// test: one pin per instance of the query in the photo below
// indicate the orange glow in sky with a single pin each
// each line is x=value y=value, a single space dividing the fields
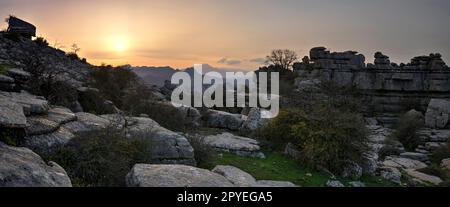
x=180 y=33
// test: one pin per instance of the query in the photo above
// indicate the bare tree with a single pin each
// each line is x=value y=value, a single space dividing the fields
x=75 y=48
x=283 y=58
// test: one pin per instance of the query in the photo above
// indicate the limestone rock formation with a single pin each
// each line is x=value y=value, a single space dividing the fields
x=445 y=164
x=225 y=120
x=11 y=115
x=20 y=167
x=174 y=176
x=438 y=113
x=235 y=175
x=228 y=142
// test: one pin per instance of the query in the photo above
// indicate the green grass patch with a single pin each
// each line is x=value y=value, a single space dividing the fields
x=277 y=166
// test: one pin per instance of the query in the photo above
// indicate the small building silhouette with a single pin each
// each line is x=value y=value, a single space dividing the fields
x=18 y=26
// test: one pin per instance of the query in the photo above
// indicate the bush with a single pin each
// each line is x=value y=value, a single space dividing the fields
x=166 y=115
x=204 y=154
x=102 y=158
x=326 y=137
x=41 y=41
x=406 y=130
x=441 y=153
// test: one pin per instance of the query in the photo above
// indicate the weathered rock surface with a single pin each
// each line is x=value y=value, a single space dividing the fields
x=424 y=177
x=20 y=167
x=169 y=147
x=334 y=184
x=437 y=115
x=31 y=104
x=254 y=120
x=225 y=120
x=47 y=143
x=392 y=174
x=174 y=176
x=357 y=184
x=415 y=156
x=11 y=115
x=86 y=122
x=228 y=142
x=445 y=164
x=235 y=176
x=273 y=183
x=403 y=163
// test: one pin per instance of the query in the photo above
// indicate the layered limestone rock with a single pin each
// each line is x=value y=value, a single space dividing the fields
x=227 y=142
x=225 y=120
x=174 y=176
x=20 y=167
x=142 y=175
x=389 y=87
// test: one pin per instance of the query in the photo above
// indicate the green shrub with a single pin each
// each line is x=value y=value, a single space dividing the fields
x=166 y=115
x=41 y=41
x=406 y=131
x=203 y=153
x=102 y=158
x=441 y=153
x=326 y=137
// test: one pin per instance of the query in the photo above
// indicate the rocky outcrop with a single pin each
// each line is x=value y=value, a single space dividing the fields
x=438 y=113
x=224 y=120
x=334 y=184
x=11 y=115
x=227 y=142
x=20 y=167
x=254 y=120
x=174 y=176
x=388 y=87
x=445 y=164
x=31 y=104
x=186 y=176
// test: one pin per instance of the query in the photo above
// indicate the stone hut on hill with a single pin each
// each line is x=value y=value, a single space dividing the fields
x=18 y=26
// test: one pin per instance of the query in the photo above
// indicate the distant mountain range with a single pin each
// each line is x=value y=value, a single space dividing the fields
x=155 y=76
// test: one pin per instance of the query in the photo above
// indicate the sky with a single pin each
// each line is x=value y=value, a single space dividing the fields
x=235 y=33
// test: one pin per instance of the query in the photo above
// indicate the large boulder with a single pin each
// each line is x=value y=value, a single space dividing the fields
x=20 y=167
x=437 y=114
x=254 y=120
x=235 y=176
x=46 y=143
x=224 y=120
x=227 y=142
x=169 y=147
x=87 y=122
x=142 y=175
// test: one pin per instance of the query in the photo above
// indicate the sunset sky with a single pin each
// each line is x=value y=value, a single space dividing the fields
x=235 y=33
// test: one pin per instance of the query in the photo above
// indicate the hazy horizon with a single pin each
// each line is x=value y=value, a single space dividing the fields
x=236 y=34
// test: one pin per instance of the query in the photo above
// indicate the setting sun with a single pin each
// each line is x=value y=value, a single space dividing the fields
x=119 y=44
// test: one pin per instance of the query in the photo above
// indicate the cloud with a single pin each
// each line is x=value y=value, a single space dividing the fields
x=227 y=61
x=258 y=60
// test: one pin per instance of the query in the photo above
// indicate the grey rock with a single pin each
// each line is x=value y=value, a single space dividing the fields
x=47 y=143
x=228 y=142
x=334 y=184
x=445 y=164
x=19 y=74
x=437 y=115
x=390 y=173
x=20 y=167
x=142 y=175
x=6 y=79
x=272 y=183
x=415 y=156
x=235 y=176
x=424 y=177
x=31 y=104
x=38 y=125
x=352 y=170
x=225 y=120
x=403 y=163
x=61 y=115
x=254 y=120
x=169 y=147
x=87 y=122
x=357 y=184
x=11 y=115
